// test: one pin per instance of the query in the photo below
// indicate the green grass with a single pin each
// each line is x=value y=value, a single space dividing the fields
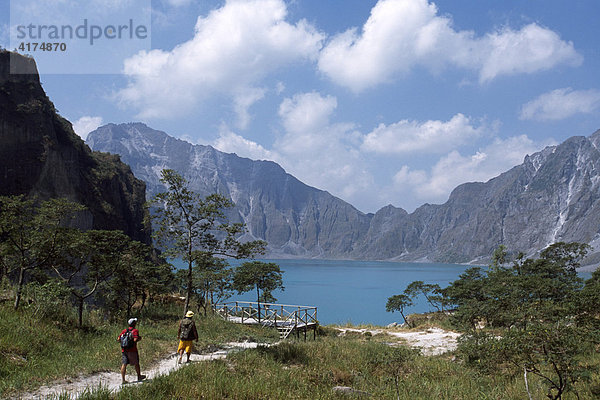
x=34 y=352
x=309 y=370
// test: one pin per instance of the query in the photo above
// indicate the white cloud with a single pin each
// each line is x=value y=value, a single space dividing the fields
x=84 y=125
x=320 y=153
x=243 y=100
x=230 y=142
x=328 y=158
x=560 y=104
x=528 y=50
x=306 y=112
x=279 y=87
x=424 y=137
x=402 y=34
x=454 y=169
x=331 y=156
x=406 y=176
x=233 y=49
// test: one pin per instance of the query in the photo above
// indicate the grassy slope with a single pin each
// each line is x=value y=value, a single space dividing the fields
x=309 y=370
x=35 y=353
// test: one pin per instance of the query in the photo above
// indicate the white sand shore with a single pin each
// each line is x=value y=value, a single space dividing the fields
x=432 y=341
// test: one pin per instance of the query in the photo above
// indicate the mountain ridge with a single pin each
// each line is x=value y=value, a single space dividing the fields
x=294 y=218
x=553 y=195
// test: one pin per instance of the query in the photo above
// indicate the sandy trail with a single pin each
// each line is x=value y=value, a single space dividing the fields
x=112 y=380
x=432 y=341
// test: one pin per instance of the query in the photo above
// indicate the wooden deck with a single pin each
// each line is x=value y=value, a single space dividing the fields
x=286 y=318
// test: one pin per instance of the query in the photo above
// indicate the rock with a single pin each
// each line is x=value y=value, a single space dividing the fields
x=350 y=391
x=554 y=195
x=295 y=219
x=41 y=156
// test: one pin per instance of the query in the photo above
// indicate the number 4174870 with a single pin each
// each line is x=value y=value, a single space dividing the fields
x=44 y=46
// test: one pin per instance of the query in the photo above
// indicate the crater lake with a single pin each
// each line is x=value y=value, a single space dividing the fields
x=351 y=291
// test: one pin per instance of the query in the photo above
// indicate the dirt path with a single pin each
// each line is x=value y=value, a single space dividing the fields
x=432 y=341
x=112 y=380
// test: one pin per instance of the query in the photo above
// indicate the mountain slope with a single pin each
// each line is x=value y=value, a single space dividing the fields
x=295 y=219
x=41 y=156
x=553 y=196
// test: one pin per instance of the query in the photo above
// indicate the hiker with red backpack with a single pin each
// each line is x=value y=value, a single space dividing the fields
x=129 y=353
x=187 y=333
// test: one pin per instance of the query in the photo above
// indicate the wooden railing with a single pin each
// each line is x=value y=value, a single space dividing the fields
x=285 y=316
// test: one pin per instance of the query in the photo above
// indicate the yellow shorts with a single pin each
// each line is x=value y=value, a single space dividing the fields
x=185 y=345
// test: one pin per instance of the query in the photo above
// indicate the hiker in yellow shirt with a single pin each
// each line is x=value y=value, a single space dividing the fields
x=187 y=334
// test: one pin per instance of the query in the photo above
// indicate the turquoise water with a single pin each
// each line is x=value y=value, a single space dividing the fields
x=353 y=291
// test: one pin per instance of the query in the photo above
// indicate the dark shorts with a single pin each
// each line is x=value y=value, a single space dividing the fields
x=130 y=357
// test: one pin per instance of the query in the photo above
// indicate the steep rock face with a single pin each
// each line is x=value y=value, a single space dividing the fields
x=295 y=219
x=553 y=196
x=41 y=156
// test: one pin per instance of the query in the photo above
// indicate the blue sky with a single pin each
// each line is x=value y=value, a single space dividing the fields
x=378 y=102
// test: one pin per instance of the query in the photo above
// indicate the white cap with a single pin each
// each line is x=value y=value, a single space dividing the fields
x=132 y=321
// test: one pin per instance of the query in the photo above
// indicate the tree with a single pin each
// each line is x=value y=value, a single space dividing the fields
x=535 y=309
x=213 y=281
x=192 y=227
x=91 y=260
x=500 y=256
x=137 y=275
x=588 y=302
x=262 y=276
x=550 y=351
x=398 y=303
x=49 y=300
x=468 y=296
x=567 y=255
x=428 y=290
x=33 y=237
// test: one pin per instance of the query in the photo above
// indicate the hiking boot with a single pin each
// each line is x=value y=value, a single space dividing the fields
x=141 y=378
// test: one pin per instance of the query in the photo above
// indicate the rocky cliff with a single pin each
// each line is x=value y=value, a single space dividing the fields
x=41 y=156
x=553 y=196
x=295 y=219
